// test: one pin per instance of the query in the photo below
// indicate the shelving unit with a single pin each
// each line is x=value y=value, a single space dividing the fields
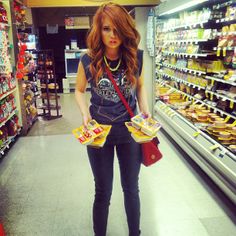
x=189 y=92
x=10 y=111
x=48 y=83
x=25 y=67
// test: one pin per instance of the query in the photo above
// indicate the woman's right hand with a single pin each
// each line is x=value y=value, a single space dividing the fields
x=86 y=119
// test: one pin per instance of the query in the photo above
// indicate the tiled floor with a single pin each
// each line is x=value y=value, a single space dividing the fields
x=46 y=188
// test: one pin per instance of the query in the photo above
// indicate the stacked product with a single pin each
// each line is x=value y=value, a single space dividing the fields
x=93 y=135
x=143 y=128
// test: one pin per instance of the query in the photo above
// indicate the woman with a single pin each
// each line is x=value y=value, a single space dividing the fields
x=113 y=43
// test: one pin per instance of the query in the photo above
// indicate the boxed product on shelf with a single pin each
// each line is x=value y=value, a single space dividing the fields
x=3 y=14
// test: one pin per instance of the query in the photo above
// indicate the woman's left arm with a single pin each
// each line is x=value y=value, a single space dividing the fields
x=142 y=95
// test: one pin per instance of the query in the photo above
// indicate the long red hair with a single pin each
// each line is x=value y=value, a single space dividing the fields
x=125 y=26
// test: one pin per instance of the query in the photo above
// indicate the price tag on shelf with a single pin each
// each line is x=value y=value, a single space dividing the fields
x=222 y=153
x=166 y=109
x=170 y=113
x=224 y=98
x=206 y=93
x=231 y=105
x=196 y=134
x=221 y=113
x=162 y=106
x=215 y=111
x=214 y=147
x=233 y=124
x=211 y=96
x=218 y=52
x=212 y=82
x=224 y=51
x=227 y=118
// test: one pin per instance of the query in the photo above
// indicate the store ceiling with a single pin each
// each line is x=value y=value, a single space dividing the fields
x=87 y=3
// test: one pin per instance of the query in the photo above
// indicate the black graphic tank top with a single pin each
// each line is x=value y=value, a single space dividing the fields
x=106 y=106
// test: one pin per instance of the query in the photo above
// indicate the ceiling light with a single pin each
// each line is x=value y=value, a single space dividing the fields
x=183 y=7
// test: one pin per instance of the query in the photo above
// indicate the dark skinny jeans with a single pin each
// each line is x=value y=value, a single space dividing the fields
x=101 y=161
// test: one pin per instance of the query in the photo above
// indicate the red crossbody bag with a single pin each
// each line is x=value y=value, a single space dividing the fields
x=150 y=151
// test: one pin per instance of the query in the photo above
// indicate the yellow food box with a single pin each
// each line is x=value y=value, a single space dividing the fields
x=100 y=140
x=86 y=135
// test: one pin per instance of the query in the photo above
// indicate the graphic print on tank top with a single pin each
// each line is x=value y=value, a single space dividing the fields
x=106 y=90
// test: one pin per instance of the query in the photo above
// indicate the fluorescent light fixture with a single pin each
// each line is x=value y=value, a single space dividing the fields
x=184 y=6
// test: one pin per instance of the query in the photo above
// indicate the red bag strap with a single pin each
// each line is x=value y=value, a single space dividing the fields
x=119 y=92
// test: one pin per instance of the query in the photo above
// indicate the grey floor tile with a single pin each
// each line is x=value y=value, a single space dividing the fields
x=185 y=227
x=218 y=226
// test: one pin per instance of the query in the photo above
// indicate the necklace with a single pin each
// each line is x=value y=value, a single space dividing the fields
x=112 y=69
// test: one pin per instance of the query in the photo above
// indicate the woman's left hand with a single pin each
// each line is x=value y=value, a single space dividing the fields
x=146 y=113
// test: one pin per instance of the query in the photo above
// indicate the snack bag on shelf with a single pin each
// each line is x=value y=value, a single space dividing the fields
x=147 y=125
x=100 y=140
x=87 y=135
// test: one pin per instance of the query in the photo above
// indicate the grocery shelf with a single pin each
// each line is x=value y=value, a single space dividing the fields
x=196 y=55
x=7 y=93
x=226 y=33
x=191 y=25
x=6 y=144
x=224 y=48
x=217 y=161
x=8 y=118
x=185 y=69
x=221 y=80
x=224 y=98
x=183 y=81
x=225 y=20
x=215 y=109
x=196 y=41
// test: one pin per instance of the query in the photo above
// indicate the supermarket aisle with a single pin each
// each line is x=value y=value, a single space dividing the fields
x=46 y=188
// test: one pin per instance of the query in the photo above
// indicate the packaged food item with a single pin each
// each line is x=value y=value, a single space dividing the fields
x=147 y=125
x=86 y=135
x=140 y=137
x=137 y=134
x=100 y=140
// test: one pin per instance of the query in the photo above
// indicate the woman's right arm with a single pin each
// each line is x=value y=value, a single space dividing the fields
x=80 y=89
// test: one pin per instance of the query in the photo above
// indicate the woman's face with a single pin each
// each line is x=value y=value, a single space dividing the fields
x=110 y=37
